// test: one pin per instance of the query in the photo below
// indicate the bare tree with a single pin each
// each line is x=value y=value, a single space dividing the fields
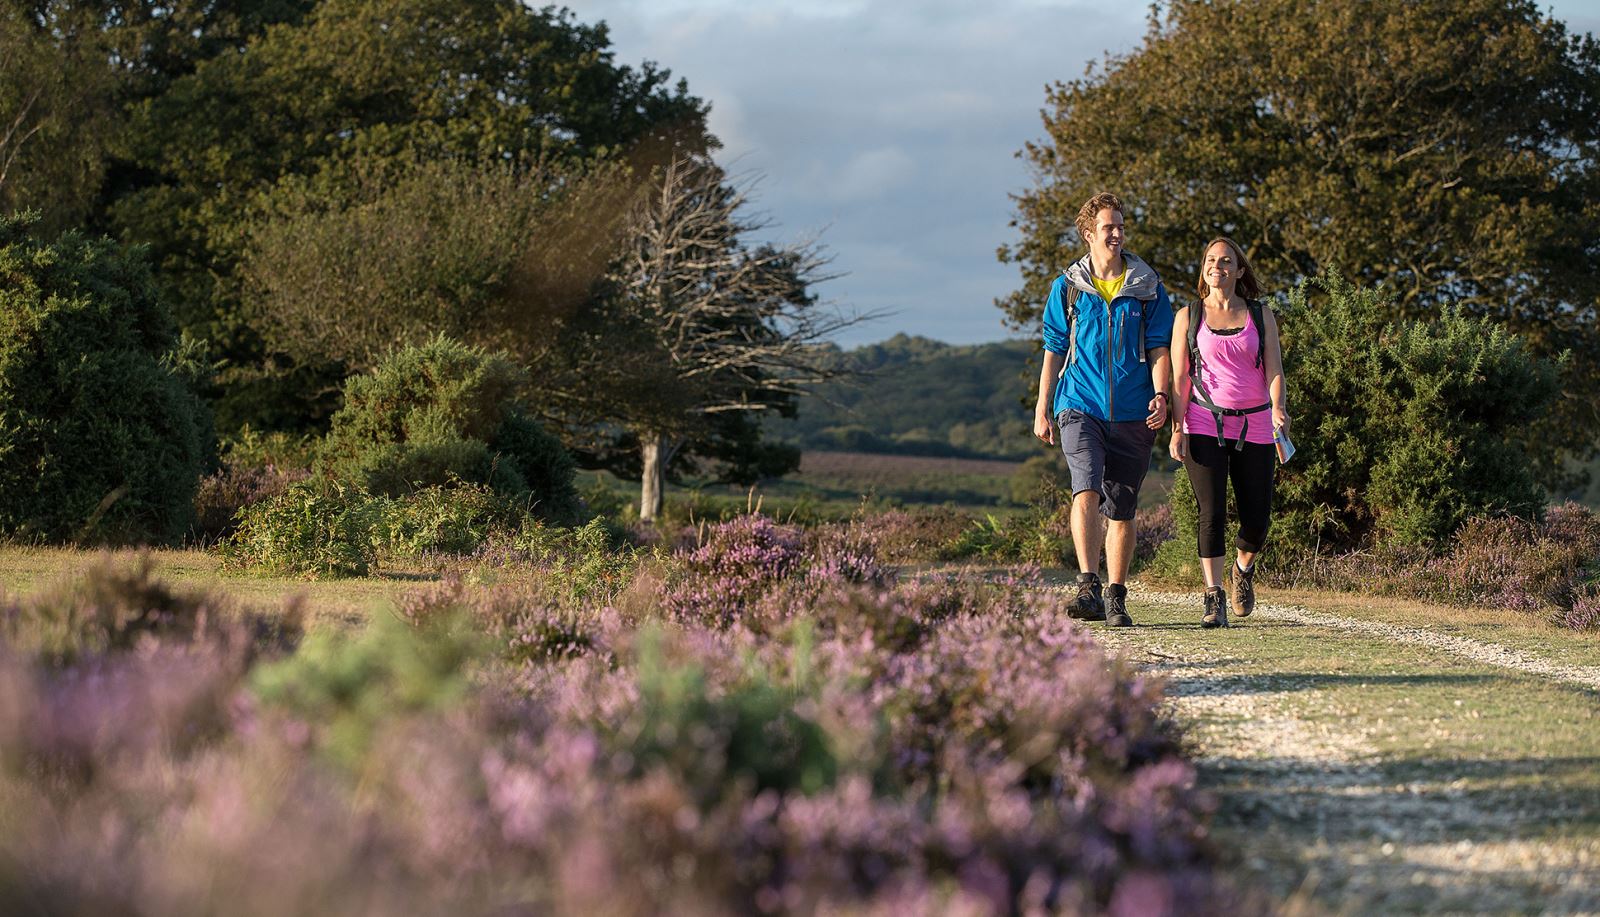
x=718 y=326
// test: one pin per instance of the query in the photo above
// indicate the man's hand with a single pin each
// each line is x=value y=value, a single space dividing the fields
x=1158 y=412
x=1043 y=428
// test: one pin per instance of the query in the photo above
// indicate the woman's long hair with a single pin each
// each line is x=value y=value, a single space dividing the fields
x=1248 y=286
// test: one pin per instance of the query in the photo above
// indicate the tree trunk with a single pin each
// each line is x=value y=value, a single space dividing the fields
x=653 y=447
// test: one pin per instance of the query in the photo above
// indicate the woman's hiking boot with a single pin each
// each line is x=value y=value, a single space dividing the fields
x=1088 y=606
x=1216 y=608
x=1117 y=606
x=1244 y=590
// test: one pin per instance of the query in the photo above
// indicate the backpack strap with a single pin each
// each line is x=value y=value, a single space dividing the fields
x=1197 y=387
x=1255 y=307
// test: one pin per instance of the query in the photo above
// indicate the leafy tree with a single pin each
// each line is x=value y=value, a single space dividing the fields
x=221 y=114
x=380 y=253
x=57 y=117
x=101 y=439
x=442 y=413
x=463 y=77
x=717 y=332
x=1445 y=148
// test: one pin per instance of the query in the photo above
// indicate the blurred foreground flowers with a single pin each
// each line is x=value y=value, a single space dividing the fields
x=767 y=722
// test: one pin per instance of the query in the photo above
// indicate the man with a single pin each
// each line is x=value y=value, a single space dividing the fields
x=1107 y=339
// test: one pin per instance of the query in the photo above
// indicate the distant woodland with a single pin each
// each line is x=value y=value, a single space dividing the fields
x=916 y=396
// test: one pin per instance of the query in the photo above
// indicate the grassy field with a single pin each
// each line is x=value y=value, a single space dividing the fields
x=835 y=484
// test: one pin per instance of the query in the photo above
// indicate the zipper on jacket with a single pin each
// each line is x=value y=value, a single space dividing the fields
x=1111 y=370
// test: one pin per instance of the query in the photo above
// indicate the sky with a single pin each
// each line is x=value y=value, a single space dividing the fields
x=889 y=128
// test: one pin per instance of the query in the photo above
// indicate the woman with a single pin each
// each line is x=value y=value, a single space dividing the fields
x=1228 y=378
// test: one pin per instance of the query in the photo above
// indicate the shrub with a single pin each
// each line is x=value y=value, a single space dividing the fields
x=983 y=753
x=224 y=493
x=445 y=412
x=101 y=439
x=445 y=519
x=737 y=563
x=1547 y=568
x=314 y=528
x=1405 y=430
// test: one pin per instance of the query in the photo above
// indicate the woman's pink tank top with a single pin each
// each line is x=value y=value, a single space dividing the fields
x=1232 y=379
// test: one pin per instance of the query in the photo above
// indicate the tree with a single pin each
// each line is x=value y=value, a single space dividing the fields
x=1444 y=148
x=393 y=252
x=719 y=331
x=101 y=440
x=215 y=109
x=57 y=119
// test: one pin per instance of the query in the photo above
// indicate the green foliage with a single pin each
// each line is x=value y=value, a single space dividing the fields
x=753 y=731
x=920 y=397
x=56 y=101
x=1039 y=477
x=454 y=518
x=100 y=439
x=582 y=563
x=1178 y=558
x=315 y=528
x=283 y=451
x=407 y=249
x=445 y=412
x=348 y=687
x=221 y=145
x=1404 y=429
x=1426 y=145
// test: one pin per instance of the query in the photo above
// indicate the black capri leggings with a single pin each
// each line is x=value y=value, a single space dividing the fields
x=1252 y=469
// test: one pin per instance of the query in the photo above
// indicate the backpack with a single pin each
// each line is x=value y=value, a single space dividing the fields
x=1197 y=390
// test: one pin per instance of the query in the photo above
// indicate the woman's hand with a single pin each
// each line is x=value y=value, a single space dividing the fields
x=1280 y=420
x=1179 y=447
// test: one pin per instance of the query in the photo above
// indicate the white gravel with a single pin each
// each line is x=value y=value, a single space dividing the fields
x=1587 y=676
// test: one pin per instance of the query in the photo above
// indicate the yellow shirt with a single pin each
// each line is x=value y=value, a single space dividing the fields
x=1109 y=288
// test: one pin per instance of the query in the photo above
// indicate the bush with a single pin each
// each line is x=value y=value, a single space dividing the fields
x=101 y=439
x=916 y=748
x=1405 y=430
x=441 y=413
x=314 y=528
x=1549 y=569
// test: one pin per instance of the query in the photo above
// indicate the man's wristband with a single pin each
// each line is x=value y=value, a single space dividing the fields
x=1165 y=397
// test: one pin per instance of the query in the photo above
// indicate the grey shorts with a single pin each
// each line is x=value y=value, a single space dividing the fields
x=1110 y=458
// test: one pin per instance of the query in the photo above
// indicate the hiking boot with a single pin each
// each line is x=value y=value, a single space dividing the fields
x=1216 y=608
x=1088 y=606
x=1244 y=590
x=1117 y=606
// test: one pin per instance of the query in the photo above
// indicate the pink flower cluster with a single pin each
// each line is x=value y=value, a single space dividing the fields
x=837 y=742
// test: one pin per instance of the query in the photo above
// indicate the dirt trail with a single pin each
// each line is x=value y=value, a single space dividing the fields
x=1372 y=768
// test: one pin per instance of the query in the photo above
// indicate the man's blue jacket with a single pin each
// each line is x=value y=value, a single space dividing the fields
x=1106 y=375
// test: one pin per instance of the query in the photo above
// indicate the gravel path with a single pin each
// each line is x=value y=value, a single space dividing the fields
x=1318 y=814
x=1585 y=676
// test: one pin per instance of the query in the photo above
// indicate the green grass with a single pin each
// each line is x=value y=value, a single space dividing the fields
x=328 y=602
x=1374 y=776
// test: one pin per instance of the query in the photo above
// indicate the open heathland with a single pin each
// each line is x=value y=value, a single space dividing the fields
x=1350 y=755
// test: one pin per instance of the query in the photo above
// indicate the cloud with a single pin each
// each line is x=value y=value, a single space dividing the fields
x=891 y=123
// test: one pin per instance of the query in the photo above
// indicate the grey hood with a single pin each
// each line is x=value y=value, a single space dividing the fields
x=1141 y=283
